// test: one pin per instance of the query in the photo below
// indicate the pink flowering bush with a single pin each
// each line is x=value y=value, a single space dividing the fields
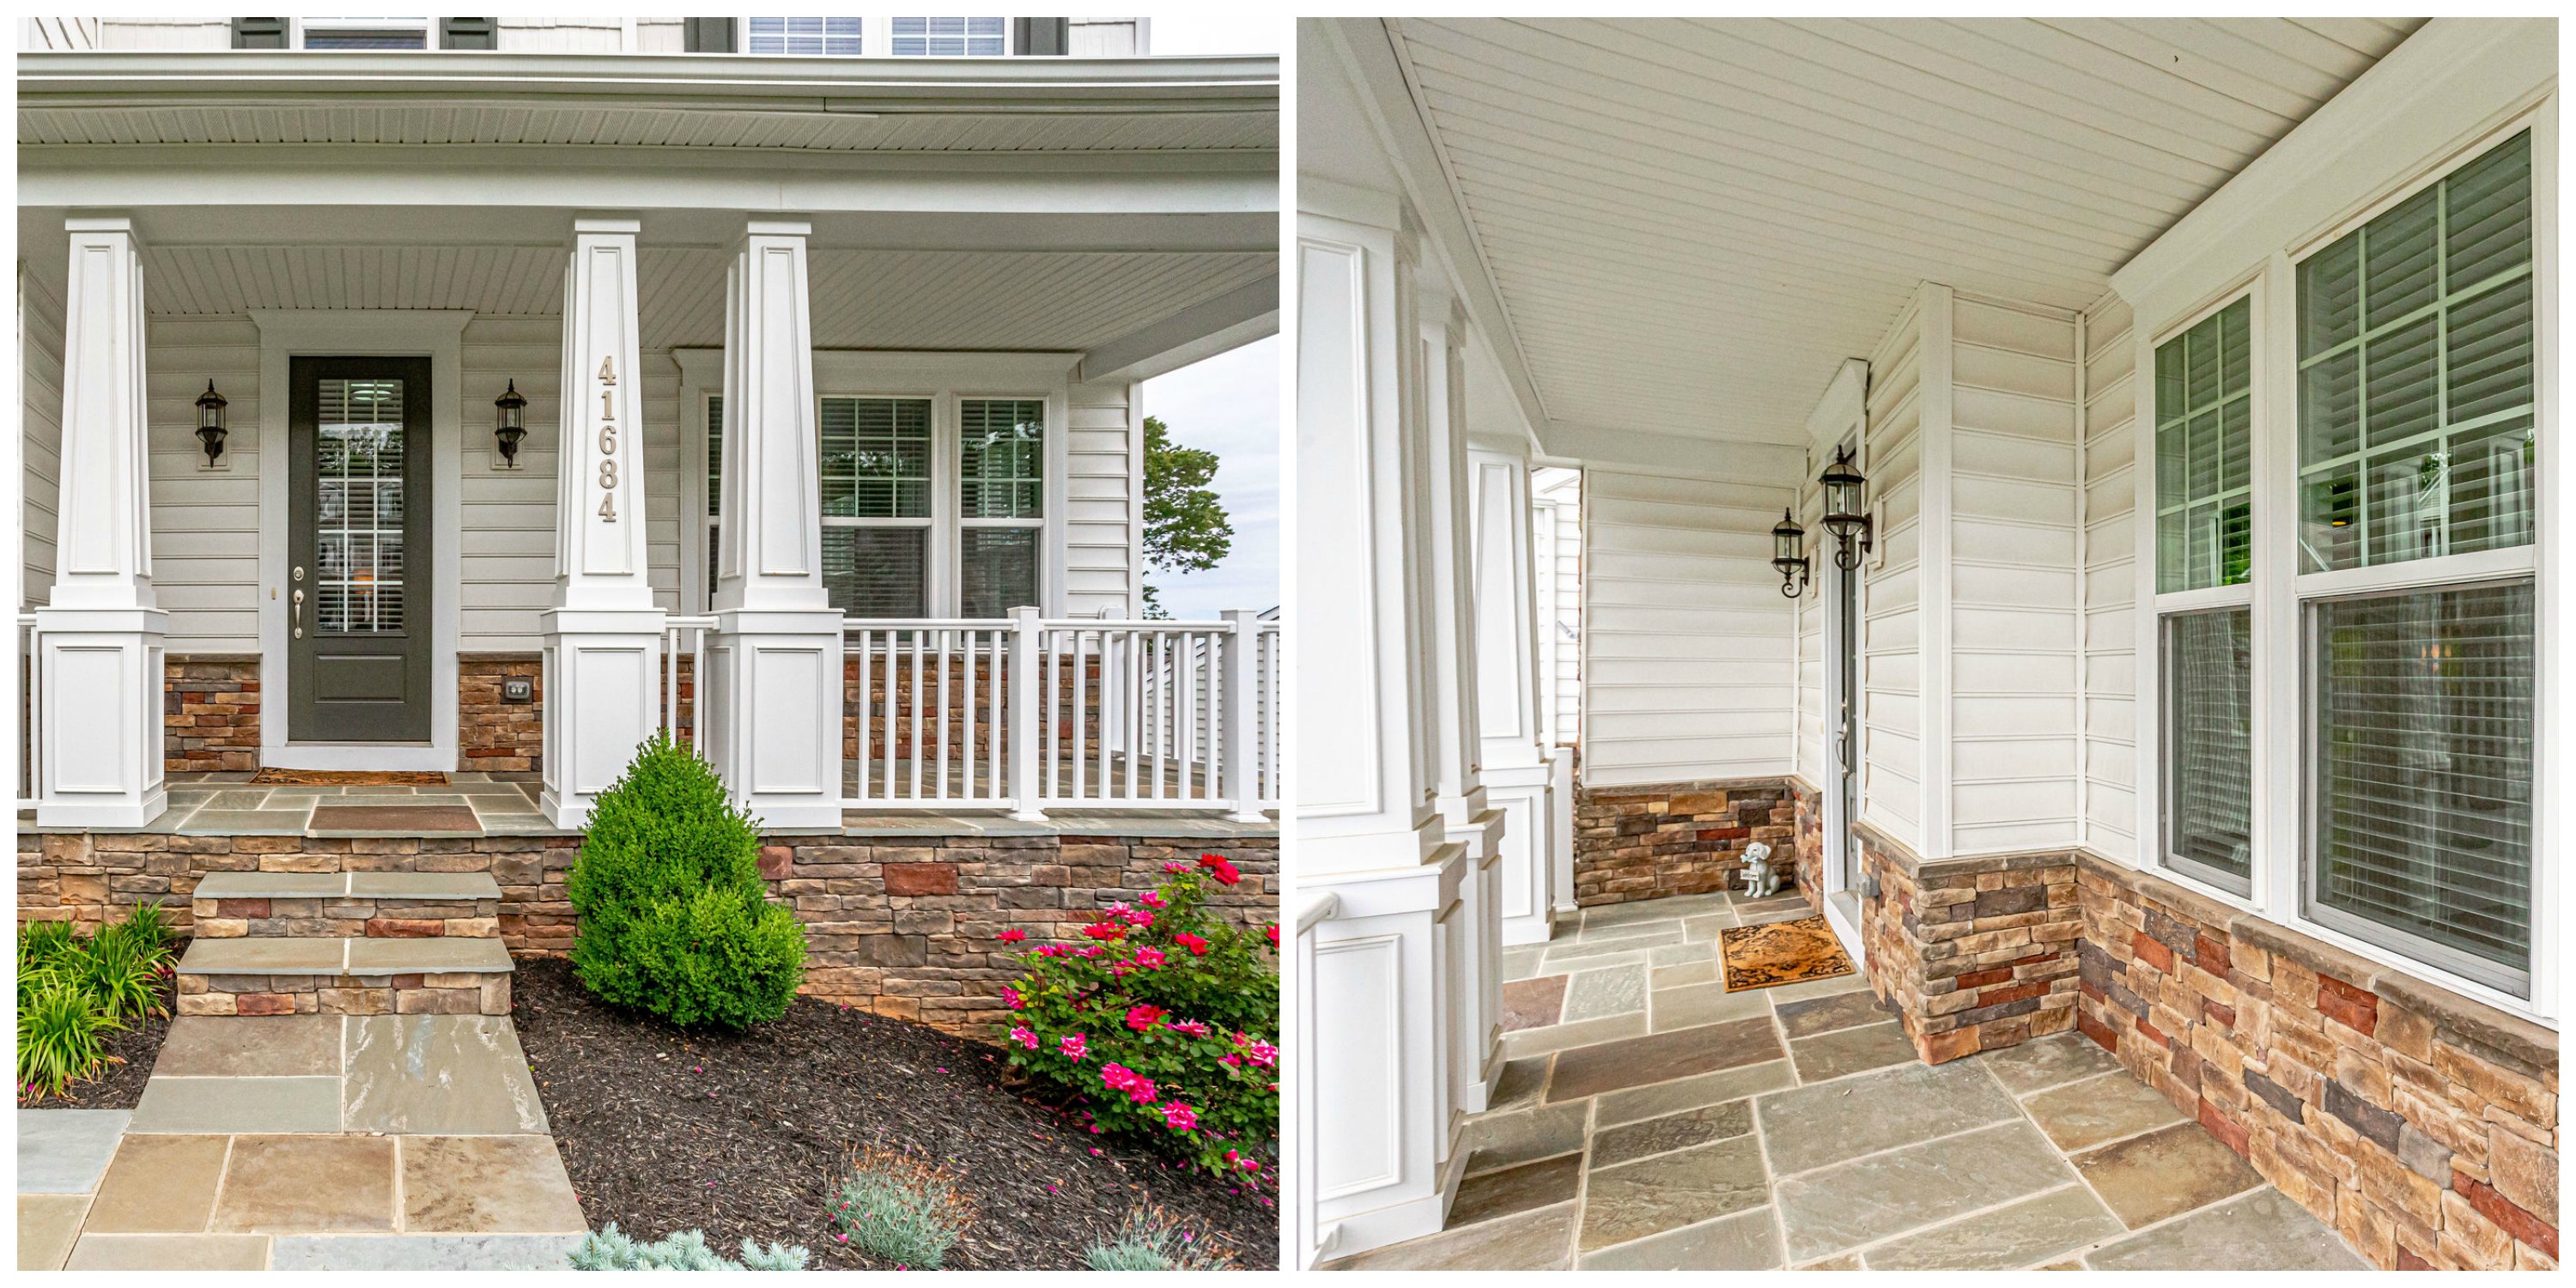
x=1163 y=1018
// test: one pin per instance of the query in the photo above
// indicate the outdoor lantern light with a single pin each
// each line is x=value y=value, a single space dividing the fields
x=1844 y=516
x=1786 y=541
x=210 y=423
x=513 y=424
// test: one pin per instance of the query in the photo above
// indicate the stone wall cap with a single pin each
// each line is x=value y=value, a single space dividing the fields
x=1768 y=782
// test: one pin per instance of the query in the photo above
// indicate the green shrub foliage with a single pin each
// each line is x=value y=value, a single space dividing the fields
x=673 y=917
x=1165 y=1019
x=606 y=1249
x=62 y=1035
x=903 y=1209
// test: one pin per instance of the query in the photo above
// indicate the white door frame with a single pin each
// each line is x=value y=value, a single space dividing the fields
x=437 y=334
x=1837 y=825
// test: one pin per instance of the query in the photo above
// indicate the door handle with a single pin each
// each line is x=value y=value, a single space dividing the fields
x=298 y=599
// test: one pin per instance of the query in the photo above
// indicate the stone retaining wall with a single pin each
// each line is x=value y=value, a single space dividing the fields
x=1633 y=843
x=346 y=917
x=464 y=993
x=900 y=927
x=2420 y=1124
x=1977 y=954
x=209 y=712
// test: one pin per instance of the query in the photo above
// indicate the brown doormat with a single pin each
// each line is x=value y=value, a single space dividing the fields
x=346 y=778
x=1780 y=952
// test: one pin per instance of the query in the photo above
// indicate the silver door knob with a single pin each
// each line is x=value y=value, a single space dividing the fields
x=298 y=599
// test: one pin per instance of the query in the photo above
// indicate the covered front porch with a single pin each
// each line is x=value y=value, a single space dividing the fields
x=1969 y=435
x=824 y=460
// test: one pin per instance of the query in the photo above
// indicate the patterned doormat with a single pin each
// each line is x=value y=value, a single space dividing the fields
x=1780 y=952
x=346 y=778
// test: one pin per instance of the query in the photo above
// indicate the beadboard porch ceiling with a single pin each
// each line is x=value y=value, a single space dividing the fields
x=968 y=289
x=1690 y=224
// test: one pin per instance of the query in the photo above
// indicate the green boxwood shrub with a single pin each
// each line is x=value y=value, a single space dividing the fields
x=672 y=915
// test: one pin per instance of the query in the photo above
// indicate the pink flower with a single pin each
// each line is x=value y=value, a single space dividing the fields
x=1141 y=1091
x=1153 y=899
x=1118 y=1076
x=1195 y=1028
x=1149 y=958
x=1071 y=1046
x=1224 y=871
x=1235 y=1061
x=1263 y=1054
x=1198 y=947
x=1021 y=1035
x=1176 y=867
x=1144 y=1018
x=1013 y=935
x=1180 y=1117
x=1011 y=997
x=1105 y=930
x=1274 y=936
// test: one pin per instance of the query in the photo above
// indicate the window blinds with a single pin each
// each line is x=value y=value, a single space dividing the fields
x=2209 y=723
x=2423 y=744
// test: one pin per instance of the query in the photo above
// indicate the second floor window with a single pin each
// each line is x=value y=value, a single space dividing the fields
x=879 y=36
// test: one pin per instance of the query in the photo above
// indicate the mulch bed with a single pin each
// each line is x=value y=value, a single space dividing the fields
x=744 y=1135
x=120 y=1085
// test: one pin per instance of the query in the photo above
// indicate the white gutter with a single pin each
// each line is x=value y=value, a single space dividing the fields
x=253 y=78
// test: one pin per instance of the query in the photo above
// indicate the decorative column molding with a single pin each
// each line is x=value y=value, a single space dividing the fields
x=1452 y=671
x=773 y=683
x=1509 y=695
x=99 y=641
x=603 y=637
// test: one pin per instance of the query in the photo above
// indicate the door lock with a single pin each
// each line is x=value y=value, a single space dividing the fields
x=298 y=600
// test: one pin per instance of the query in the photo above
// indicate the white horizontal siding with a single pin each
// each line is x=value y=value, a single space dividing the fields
x=569 y=35
x=43 y=467
x=1814 y=699
x=1561 y=562
x=2110 y=582
x=1891 y=625
x=165 y=33
x=1104 y=37
x=205 y=523
x=1689 y=667
x=1103 y=513
x=2015 y=754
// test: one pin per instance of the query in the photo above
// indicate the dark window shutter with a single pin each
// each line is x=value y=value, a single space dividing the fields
x=468 y=33
x=1040 y=35
x=707 y=35
x=259 y=33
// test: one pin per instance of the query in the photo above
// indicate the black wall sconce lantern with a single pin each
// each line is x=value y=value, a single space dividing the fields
x=511 y=424
x=1787 y=542
x=210 y=423
x=1845 y=516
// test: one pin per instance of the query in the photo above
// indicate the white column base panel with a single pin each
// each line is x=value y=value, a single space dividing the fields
x=775 y=713
x=603 y=694
x=1381 y=1130
x=99 y=680
x=1475 y=992
x=1560 y=780
x=1529 y=805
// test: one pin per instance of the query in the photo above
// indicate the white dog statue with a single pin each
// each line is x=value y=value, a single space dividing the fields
x=1761 y=880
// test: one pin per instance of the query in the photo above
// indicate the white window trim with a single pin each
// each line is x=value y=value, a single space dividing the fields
x=946 y=379
x=298 y=27
x=2281 y=765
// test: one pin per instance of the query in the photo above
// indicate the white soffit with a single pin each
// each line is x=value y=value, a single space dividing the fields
x=1692 y=223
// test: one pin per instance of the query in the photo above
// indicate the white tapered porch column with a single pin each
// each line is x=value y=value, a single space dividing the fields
x=1508 y=689
x=1472 y=998
x=603 y=637
x=774 y=659
x=100 y=638
x=1370 y=831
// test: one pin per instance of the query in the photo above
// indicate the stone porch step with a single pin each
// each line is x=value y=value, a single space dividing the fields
x=337 y=905
x=345 y=976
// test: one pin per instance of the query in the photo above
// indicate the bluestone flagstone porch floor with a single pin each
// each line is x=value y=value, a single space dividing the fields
x=478 y=803
x=1647 y=1119
x=306 y=1142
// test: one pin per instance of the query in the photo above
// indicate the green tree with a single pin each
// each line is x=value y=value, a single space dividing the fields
x=1186 y=529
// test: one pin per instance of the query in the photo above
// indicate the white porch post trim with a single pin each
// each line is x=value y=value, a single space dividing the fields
x=102 y=635
x=603 y=637
x=1369 y=829
x=774 y=658
x=1510 y=697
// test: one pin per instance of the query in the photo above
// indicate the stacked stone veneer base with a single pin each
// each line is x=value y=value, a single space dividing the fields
x=419 y=993
x=901 y=927
x=1633 y=843
x=210 y=707
x=372 y=905
x=1977 y=953
x=2420 y=1124
x=492 y=734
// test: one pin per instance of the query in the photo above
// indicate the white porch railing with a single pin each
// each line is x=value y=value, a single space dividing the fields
x=1032 y=714
x=1029 y=714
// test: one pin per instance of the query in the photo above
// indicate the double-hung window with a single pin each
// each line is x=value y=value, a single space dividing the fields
x=879 y=35
x=2352 y=582
x=2416 y=457
x=932 y=505
x=2204 y=400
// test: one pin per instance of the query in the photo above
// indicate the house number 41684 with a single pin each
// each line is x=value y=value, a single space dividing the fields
x=608 y=439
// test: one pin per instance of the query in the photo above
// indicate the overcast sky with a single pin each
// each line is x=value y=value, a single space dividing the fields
x=1228 y=405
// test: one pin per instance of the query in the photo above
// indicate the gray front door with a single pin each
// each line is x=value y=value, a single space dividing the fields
x=358 y=536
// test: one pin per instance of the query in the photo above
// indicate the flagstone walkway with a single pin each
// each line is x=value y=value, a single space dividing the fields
x=306 y=1142
x=1648 y=1120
